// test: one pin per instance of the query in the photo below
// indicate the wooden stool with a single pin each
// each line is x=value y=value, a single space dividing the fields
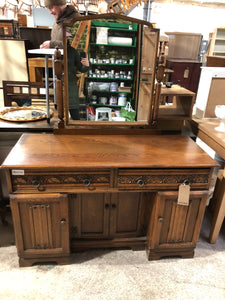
x=103 y=110
x=36 y=65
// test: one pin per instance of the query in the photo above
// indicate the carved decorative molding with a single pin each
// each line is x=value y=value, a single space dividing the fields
x=163 y=179
x=77 y=179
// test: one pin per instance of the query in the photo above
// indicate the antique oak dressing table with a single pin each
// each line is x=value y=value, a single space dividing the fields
x=78 y=192
x=108 y=184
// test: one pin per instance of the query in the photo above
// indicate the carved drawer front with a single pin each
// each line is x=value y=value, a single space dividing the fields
x=60 y=181
x=162 y=178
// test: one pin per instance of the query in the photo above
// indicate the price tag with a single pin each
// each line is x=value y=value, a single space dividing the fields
x=17 y=172
x=186 y=73
x=183 y=194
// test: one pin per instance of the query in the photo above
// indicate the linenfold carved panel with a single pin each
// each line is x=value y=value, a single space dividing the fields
x=41 y=238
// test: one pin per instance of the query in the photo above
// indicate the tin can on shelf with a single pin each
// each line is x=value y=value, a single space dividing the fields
x=113 y=87
x=118 y=113
x=113 y=100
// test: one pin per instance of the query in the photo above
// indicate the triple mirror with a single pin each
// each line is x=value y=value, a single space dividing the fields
x=117 y=89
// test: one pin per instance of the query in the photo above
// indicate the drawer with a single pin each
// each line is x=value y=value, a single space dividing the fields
x=61 y=181
x=162 y=178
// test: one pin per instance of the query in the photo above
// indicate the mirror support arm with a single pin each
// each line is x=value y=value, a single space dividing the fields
x=59 y=93
x=159 y=78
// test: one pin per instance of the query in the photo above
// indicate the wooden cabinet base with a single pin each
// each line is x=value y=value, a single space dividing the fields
x=132 y=243
x=28 y=262
x=155 y=254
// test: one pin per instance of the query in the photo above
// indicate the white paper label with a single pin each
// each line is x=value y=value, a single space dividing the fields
x=186 y=73
x=17 y=172
x=183 y=194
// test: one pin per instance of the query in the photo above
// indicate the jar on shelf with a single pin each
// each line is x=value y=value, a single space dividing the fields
x=122 y=99
x=113 y=87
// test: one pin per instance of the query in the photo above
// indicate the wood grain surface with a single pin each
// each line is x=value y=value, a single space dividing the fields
x=96 y=151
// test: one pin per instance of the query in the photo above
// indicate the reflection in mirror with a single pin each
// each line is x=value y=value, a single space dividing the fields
x=110 y=69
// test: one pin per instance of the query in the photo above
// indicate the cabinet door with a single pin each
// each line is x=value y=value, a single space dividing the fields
x=174 y=229
x=125 y=215
x=107 y=215
x=89 y=215
x=41 y=224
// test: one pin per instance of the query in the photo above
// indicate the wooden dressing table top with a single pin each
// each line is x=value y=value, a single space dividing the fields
x=176 y=90
x=205 y=130
x=61 y=152
x=212 y=134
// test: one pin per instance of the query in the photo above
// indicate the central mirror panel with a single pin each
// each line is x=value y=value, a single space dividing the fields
x=114 y=86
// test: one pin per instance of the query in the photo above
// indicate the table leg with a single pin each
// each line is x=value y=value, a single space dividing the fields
x=47 y=87
x=32 y=74
x=54 y=81
x=219 y=211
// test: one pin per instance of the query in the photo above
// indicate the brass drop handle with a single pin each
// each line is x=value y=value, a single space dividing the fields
x=86 y=182
x=140 y=182
x=36 y=183
x=63 y=222
x=186 y=182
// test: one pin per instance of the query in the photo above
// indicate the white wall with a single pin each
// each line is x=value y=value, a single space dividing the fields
x=184 y=18
x=167 y=17
x=42 y=17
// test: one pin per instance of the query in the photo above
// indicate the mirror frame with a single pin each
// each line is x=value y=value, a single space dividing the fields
x=149 y=123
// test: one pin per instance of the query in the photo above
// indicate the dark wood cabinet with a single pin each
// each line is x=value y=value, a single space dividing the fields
x=174 y=228
x=185 y=73
x=42 y=227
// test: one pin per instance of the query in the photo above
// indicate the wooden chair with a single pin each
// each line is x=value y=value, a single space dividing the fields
x=3 y=6
x=25 y=6
x=13 y=6
x=16 y=91
x=115 y=7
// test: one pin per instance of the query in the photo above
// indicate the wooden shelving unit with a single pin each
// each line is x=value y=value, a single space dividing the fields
x=217 y=46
